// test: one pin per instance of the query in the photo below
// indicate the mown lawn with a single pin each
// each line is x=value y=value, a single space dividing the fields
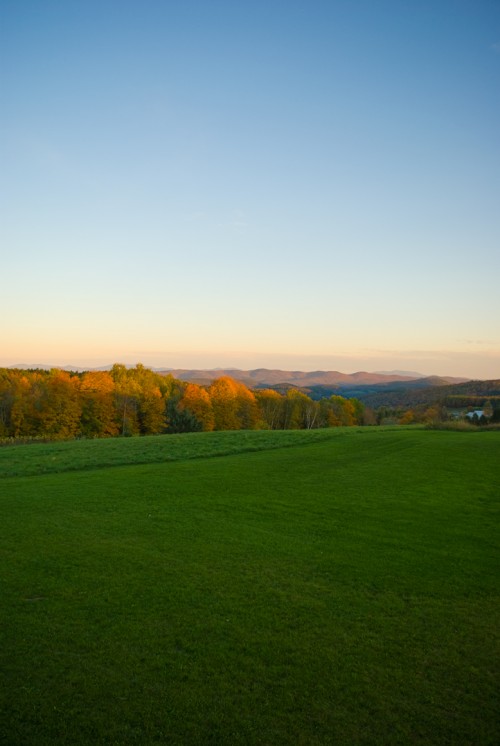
x=50 y=458
x=341 y=591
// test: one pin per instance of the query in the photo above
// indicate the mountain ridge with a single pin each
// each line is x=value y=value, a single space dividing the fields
x=272 y=376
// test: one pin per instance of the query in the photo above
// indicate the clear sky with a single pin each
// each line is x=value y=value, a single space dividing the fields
x=307 y=184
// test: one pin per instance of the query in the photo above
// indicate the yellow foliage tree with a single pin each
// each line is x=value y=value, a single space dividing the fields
x=98 y=404
x=223 y=394
x=55 y=405
x=271 y=405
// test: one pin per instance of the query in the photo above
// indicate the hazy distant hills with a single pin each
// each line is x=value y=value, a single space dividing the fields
x=260 y=377
x=45 y=366
x=302 y=379
x=265 y=376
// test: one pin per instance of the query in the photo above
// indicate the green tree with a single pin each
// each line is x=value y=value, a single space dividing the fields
x=359 y=411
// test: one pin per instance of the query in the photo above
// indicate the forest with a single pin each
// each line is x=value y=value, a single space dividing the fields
x=57 y=404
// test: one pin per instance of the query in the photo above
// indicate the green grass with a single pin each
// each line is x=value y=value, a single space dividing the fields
x=49 y=458
x=341 y=591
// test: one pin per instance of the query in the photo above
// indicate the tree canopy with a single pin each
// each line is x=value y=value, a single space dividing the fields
x=57 y=404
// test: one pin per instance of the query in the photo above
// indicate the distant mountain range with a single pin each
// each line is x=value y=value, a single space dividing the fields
x=260 y=377
x=272 y=377
x=405 y=373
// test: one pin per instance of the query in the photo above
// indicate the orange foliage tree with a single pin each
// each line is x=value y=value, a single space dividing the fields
x=197 y=402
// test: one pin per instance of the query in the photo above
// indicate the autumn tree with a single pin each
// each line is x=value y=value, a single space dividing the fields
x=294 y=402
x=488 y=409
x=55 y=406
x=435 y=413
x=9 y=385
x=369 y=416
x=198 y=404
x=271 y=408
x=310 y=413
x=21 y=420
x=234 y=406
x=223 y=394
x=407 y=418
x=151 y=410
x=337 y=411
x=126 y=400
x=98 y=405
x=343 y=410
x=247 y=408
x=300 y=411
x=179 y=420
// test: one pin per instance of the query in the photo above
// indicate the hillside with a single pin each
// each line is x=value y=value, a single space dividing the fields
x=406 y=394
x=384 y=390
x=414 y=395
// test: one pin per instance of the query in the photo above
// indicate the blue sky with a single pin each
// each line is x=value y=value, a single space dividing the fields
x=251 y=184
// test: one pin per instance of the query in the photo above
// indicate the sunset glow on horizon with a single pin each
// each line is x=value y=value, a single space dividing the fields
x=307 y=186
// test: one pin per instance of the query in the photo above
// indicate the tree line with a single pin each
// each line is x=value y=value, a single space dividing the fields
x=123 y=401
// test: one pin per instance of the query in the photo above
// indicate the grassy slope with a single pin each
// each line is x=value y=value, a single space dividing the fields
x=48 y=458
x=341 y=592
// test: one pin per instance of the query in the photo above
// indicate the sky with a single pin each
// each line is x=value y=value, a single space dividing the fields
x=305 y=184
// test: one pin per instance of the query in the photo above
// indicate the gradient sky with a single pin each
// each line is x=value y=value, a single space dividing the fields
x=308 y=184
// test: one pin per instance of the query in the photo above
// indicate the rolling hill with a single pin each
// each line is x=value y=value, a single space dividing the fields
x=271 y=377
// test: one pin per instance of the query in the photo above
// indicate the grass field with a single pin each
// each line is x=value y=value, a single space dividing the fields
x=332 y=587
x=47 y=458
